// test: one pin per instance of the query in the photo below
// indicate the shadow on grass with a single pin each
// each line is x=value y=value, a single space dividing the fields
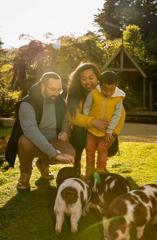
x=150 y=232
x=29 y=215
x=132 y=183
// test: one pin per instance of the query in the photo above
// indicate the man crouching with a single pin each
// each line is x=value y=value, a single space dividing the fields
x=40 y=130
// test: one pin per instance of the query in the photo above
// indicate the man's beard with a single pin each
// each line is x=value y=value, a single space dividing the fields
x=49 y=98
x=52 y=97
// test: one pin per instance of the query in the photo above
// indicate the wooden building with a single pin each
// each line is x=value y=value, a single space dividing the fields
x=129 y=70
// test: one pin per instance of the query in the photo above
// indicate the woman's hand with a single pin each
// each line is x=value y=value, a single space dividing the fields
x=100 y=124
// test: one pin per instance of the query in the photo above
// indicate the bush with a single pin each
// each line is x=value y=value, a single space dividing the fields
x=8 y=101
x=8 y=97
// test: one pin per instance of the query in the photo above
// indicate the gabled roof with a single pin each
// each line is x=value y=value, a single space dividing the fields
x=122 y=53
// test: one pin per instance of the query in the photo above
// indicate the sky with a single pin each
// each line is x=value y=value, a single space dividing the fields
x=37 y=17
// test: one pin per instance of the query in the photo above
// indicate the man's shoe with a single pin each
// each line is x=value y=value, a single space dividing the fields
x=44 y=169
x=23 y=182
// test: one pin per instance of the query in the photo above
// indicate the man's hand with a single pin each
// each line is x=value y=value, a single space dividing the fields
x=100 y=124
x=65 y=158
x=63 y=136
x=108 y=138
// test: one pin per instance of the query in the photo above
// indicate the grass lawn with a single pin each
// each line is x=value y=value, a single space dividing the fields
x=4 y=132
x=28 y=215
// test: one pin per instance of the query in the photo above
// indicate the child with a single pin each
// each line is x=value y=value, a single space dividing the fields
x=104 y=102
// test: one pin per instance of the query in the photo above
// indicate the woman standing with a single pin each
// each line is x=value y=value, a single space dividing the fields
x=84 y=78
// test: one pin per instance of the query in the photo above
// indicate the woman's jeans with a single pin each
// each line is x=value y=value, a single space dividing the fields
x=78 y=141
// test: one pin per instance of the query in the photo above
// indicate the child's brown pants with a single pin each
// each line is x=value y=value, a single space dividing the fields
x=95 y=143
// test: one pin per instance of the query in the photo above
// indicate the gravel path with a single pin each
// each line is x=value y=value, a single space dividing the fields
x=139 y=132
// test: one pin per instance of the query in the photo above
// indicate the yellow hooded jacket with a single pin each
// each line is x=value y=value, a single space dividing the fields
x=104 y=108
x=104 y=111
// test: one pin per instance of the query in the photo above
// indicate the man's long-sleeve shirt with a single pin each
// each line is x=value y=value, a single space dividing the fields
x=46 y=131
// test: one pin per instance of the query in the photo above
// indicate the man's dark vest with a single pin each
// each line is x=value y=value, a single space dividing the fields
x=34 y=98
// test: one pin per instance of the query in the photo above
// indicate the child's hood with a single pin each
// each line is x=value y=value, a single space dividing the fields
x=119 y=93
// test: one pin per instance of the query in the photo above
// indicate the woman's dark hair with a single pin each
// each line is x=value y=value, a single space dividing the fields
x=76 y=92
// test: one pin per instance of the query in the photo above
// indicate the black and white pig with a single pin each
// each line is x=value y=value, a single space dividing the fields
x=72 y=197
x=128 y=214
x=105 y=187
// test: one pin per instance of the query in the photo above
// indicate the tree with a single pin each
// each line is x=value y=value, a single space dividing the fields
x=142 y=13
x=147 y=16
x=92 y=46
x=132 y=38
x=113 y=16
x=68 y=57
x=30 y=62
x=8 y=98
x=74 y=50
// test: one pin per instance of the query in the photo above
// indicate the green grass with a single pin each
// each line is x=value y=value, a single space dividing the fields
x=137 y=161
x=28 y=215
x=4 y=132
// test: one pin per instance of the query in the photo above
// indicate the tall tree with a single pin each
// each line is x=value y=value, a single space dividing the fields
x=30 y=62
x=124 y=12
x=132 y=38
x=113 y=16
